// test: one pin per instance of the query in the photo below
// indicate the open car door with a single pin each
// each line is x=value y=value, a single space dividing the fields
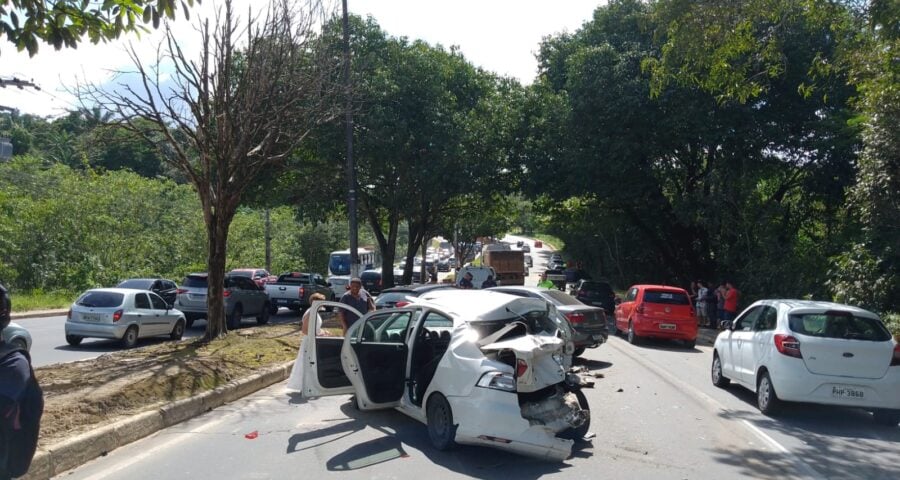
x=323 y=371
x=377 y=365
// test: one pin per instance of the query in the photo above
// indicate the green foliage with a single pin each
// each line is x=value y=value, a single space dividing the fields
x=24 y=301
x=64 y=23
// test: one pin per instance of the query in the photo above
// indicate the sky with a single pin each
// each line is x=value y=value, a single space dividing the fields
x=498 y=35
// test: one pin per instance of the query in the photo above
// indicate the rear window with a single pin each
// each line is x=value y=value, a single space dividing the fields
x=239 y=273
x=194 y=281
x=596 y=287
x=666 y=297
x=100 y=299
x=561 y=298
x=839 y=325
x=370 y=275
x=536 y=321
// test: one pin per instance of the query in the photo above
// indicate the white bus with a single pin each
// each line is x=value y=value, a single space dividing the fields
x=339 y=266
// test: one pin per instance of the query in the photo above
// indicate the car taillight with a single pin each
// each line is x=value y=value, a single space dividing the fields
x=69 y=315
x=226 y=293
x=575 y=317
x=181 y=291
x=302 y=292
x=896 y=361
x=117 y=315
x=788 y=345
x=521 y=367
x=639 y=309
x=379 y=282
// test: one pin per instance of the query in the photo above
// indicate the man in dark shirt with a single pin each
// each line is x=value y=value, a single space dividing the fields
x=357 y=298
x=14 y=376
x=466 y=281
x=489 y=282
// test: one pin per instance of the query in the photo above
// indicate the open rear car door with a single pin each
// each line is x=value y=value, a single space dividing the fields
x=376 y=364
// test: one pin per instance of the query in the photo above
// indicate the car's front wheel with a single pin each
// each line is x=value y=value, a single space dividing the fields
x=718 y=379
x=887 y=417
x=441 y=430
x=74 y=340
x=234 y=321
x=177 y=330
x=766 y=398
x=129 y=340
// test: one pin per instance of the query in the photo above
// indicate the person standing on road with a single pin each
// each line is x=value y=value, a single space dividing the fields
x=466 y=281
x=732 y=296
x=357 y=298
x=544 y=283
x=295 y=381
x=720 y=304
x=702 y=292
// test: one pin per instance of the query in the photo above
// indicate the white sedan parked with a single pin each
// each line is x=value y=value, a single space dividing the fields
x=809 y=351
x=477 y=367
x=123 y=314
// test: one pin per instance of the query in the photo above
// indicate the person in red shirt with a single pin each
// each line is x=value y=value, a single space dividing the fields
x=732 y=295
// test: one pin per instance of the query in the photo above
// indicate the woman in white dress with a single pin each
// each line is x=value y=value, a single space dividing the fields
x=295 y=382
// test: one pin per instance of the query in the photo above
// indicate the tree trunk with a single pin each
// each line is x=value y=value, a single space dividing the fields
x=218 y=221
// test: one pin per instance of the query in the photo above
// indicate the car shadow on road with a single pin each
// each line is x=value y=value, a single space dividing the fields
x=841 y=442
x=591 y=364
x=666 y=345
x=401 y=433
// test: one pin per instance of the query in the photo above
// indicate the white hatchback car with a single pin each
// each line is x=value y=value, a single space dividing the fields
x=477 y=367
x=123 y=314
x=809 y=351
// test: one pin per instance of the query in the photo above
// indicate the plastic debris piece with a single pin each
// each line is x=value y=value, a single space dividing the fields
x=252 y=435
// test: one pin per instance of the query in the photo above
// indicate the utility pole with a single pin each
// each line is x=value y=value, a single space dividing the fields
x=351 y=167
x=18 y=83
x=268 y=242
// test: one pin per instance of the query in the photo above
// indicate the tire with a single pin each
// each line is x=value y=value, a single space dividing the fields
x=234 y=321
x=441 y=430
x=579 y=432
x=129 y=340
x=189 y=322
x=690 y=344
x=177 y=330
x=718 y=379
x=886 y=417
x=19 y=343
x=632 y=337
x=273 y=310
x=578 y=352
x=263 y=317
x=74 y=340
x=766 y=398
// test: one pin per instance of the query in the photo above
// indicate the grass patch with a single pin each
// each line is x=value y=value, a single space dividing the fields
x=548 y=239
x=40 y=300
x=80 y=396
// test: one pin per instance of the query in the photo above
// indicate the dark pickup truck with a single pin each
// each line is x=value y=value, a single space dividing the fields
x=293 y=289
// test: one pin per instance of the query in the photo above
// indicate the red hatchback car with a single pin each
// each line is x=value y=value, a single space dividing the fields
x=657 y=311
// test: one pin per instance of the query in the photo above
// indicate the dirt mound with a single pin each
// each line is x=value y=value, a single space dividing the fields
x=87 y=394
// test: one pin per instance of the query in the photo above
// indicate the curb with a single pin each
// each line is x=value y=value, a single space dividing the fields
x=80 y=449
x=38 y=313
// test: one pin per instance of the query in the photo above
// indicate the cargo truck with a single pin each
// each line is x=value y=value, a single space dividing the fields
x=509 y=265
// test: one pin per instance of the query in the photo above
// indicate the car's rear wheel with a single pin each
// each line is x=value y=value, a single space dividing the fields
x=766 y=398
x=177 y=330
x=234 y=321
x=129 y=340
x=633 y=337
x=718 y=379
x=887 y=417
x=441 y=430
x=263 y=317
x=578 y=433
x=578 y=352
x=74 y=340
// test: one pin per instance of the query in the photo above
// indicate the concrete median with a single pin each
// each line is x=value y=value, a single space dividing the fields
x=80 y=449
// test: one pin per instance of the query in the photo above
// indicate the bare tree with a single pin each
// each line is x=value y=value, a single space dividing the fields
x=240 y=108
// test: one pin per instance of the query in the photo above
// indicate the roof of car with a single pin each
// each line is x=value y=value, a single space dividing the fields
x=817 y=306
x=659 y=287
x=123 y=291
x=479 y=305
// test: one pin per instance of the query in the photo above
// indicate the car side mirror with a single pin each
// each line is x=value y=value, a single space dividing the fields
x=729 y=325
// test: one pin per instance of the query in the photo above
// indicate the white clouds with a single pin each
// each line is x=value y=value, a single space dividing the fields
x=498 y=35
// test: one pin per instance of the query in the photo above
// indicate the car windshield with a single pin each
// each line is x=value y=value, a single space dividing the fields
x=241 y=273
x=100 y=299
x=560 y=298
x=339 y=264
x=138 y=284
x=194 y=281
x=666 y=297
x=839 y=325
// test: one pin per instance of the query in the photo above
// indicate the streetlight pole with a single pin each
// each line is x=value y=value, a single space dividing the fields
x=351 y=167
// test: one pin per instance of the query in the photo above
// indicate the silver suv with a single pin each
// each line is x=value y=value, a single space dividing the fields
x=242 y=298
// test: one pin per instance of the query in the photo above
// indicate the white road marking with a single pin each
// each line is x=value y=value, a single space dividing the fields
x=715 y=404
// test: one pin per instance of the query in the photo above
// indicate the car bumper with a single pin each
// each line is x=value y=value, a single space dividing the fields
x=493 y=418
x=794 y=383
x=661 y=328
x=95 y=330
x=287 y=302
x=590 y=339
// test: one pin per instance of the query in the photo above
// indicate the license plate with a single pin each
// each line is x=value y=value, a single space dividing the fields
x=667 y=326
x=282 y=301
x=91 y=317
x=842 y=391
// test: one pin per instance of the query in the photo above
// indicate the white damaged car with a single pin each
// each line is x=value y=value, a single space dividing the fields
x=477 y=367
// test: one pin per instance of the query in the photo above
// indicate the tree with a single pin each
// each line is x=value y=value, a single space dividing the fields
x=64 y=23
x=232 y=114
